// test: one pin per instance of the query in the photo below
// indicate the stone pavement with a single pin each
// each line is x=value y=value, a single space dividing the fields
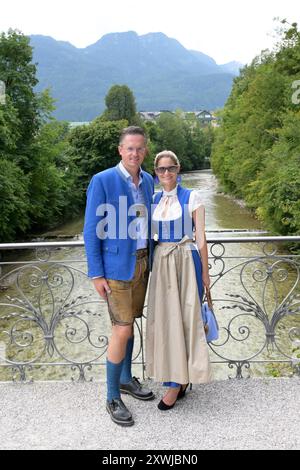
x=231 y=414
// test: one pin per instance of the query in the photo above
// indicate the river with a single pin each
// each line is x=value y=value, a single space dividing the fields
x=222 y=212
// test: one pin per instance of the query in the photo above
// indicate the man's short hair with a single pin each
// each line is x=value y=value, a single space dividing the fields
x=132 y=130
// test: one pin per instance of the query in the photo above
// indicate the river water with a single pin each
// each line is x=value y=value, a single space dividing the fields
x=222 y=212
x=240 y=337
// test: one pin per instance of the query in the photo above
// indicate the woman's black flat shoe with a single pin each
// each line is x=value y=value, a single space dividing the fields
x=182 y=391
x=163 y=407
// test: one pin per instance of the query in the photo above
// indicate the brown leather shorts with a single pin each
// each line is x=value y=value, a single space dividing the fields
x=127 y=298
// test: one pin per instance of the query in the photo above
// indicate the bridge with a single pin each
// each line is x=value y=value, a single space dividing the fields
x=54 y=329
x=54 y=326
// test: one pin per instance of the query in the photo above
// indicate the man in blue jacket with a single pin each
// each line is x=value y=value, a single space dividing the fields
x=117 y=241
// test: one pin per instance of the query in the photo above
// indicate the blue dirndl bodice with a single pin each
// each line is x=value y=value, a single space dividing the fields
x=175 y=230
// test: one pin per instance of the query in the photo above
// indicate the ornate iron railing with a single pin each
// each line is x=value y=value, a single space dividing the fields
x=53 y=324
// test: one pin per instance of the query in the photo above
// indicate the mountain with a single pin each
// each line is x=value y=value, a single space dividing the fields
x=160 y=71
x=232 y=67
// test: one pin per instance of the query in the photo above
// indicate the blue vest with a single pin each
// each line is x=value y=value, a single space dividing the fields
x=176 y=229
x=111 y=253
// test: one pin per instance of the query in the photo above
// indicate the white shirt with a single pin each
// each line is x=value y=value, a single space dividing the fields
x=171 y=210
x=141 y=232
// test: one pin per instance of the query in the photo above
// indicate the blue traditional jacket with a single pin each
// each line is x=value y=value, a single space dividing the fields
x=110 y=250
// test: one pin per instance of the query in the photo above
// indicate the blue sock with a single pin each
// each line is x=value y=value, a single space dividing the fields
x=126 y=376
x=171 y=384
x=113 y=372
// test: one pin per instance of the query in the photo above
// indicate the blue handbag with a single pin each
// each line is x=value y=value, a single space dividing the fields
x=210 y=323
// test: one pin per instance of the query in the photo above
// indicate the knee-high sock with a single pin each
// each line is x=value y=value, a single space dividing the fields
x=126 y=376
x=113 y=372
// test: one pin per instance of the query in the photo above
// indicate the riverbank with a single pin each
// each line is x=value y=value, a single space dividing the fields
x=231 y=414
x=240 y=202
x=223 y=211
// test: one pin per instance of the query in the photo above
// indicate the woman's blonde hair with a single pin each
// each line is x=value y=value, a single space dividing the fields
x=166 y=154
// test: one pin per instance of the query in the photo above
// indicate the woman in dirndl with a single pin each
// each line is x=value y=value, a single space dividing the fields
x=176 y=348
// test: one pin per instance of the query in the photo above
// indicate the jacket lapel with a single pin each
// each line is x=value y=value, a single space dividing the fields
x=125 y=186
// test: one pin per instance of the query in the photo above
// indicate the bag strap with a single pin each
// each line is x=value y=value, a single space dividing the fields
x=208 y=298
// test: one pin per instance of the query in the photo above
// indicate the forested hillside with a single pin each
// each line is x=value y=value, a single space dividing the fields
x=256 y=154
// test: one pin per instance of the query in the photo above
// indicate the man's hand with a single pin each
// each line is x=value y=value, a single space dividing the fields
x=102 y=287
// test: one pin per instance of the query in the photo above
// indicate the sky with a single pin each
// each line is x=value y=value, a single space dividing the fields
x=225 y=30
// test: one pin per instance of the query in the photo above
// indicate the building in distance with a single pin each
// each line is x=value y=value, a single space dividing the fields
x=205 y=117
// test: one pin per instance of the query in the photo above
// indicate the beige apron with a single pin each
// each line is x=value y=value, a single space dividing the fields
x=176 y=348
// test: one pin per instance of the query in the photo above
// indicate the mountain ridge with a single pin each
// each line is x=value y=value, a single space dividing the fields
x=161 y=72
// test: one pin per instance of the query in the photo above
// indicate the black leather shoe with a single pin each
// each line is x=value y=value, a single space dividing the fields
x=135 y=389
x=119 y=413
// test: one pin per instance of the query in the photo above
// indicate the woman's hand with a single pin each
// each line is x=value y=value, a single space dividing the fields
x=206 y=280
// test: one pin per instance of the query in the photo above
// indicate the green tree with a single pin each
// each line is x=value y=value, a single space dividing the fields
x=256 y=150
x=36 y=179
x=14 y=201
x=9 y=128
x=183 y=135
x=276 y=191
x=198 y=142
x=53 y=179
x=94 y=148
x=19 y=76
x=171 y=136
x=120 y=104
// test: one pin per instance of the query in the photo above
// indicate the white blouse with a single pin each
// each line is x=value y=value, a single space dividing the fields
x=169 y=207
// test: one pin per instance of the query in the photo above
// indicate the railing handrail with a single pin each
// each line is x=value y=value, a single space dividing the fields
x=80 y=243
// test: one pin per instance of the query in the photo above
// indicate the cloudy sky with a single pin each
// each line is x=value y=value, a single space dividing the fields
x=225 y=30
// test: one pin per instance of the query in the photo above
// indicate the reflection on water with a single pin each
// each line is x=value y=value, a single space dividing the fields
x=76 y=324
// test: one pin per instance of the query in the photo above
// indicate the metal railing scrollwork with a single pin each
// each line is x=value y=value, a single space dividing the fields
x=54 y=326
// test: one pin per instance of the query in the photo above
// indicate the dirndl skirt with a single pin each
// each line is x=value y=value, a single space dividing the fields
x=176 y=347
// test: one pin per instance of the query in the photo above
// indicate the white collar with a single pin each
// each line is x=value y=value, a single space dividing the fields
x=171 y=193
x=128 y=175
